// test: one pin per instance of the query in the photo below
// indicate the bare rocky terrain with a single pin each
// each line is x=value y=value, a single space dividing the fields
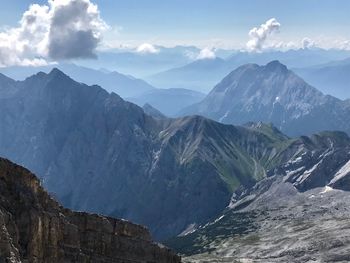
x=313 y=226
x=299 y=213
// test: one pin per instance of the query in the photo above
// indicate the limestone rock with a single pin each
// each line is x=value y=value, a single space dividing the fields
x=35 y=228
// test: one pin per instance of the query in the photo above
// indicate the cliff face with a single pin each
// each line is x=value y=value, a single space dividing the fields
x=35 y=228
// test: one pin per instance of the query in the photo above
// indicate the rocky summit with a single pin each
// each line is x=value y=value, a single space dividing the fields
x=273 y=93
x=35 y=228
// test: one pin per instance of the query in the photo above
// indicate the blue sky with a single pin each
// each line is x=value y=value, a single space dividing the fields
x=209 y=22
x=226 y=18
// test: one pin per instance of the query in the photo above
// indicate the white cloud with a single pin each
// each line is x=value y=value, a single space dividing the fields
x=206 y=53
x=59 y=30
x=191 y=54
x=342 y=44
x=281 y=45
x=345 y=44
x=259 y=35
x=75 y=29
x=260 y=40
x=147 y=48
x=307 y=43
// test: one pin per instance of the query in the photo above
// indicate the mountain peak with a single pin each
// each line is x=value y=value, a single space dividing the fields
x=56 y=72
x=271 y=93
x=276 y=65
x=42 y=77
x=58 y=76
x=6 y=79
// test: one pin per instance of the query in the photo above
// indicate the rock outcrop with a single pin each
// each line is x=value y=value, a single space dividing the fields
x=35 y=228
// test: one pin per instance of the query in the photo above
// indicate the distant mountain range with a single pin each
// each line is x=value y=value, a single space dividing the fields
x=331 y=78
x=168 y=101
x=293 y=58
x=202 y=75
x=273 y=93
x=141 y=64
x=125 y=86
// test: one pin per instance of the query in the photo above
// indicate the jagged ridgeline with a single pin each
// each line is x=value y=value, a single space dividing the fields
x=99 y=153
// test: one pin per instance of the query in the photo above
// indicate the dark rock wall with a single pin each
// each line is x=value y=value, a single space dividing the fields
x=35 y=228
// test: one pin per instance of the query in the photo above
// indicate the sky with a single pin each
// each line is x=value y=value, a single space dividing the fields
x=207 y=24
x=203 y=21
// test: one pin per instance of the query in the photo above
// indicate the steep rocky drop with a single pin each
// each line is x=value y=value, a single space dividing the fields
x=35 y=228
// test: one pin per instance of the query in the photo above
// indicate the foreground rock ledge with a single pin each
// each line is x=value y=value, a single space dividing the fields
x=35 y=228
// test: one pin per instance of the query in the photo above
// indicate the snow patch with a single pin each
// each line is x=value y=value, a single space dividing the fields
x=277 y=100
x=345 y=170
x=218 y=219
x=307 y=173
x=327 y=189
x=290 y=173
x=224 y=117
x=189 y=230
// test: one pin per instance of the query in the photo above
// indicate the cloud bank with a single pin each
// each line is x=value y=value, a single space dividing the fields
x=307 y=43
x=147 y=48
x=259 y=35
x=206 y=53
x=60 y=30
